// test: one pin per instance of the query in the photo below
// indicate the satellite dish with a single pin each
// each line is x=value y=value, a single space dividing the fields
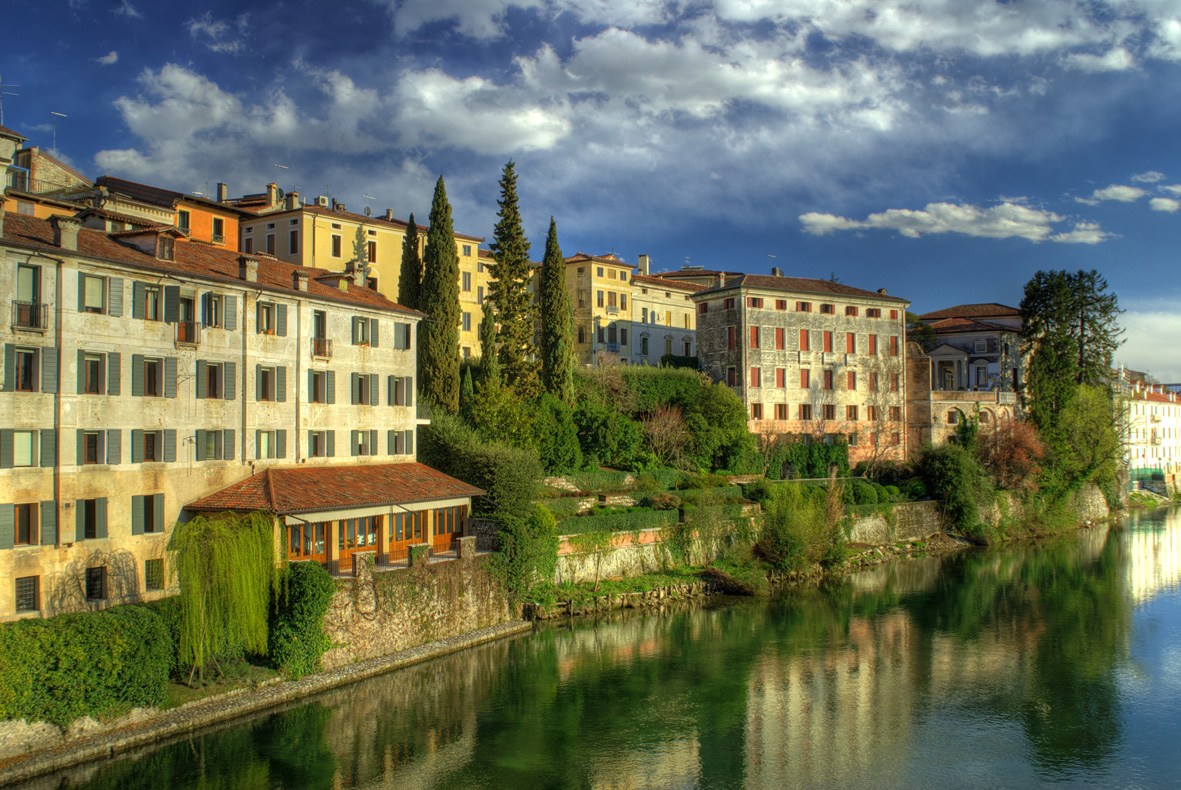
x=368 y=212
x=281 y=194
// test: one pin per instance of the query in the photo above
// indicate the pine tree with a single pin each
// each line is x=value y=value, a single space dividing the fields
x=438 y=369
x=410 y=276
x=489 y=360
x=509 y=290
x=557 y=322
x=467 y=395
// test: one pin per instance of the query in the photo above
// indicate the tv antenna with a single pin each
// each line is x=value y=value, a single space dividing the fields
x=56 y=115
x=4 y=93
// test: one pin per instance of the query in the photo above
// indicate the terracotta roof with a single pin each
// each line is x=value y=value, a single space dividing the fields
x=951 y=326
x=612 y=258
x=678 y=285
x=194 y=260
x=308 y=489
x=354 y=216
x=10 y=133
x=165 y=198
x=985 y=310
x=673 y=275
x=799 y=285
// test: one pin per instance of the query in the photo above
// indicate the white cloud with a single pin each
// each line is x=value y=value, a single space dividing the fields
x=1117 y=59
x=1173 y=189
x=1148 y=177
x=1116 y=192
x=1165 y=204
x=125 y=8
x=1143 y=350
x=1007 y=220
x=219 y=35
x=109 y=58
x=481 y=19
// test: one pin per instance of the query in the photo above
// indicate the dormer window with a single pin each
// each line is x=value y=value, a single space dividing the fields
x=164 y=245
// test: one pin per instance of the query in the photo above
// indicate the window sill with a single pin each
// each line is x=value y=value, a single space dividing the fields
x=32 y=330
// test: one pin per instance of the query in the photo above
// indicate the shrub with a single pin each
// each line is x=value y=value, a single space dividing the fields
x=602 y=481
x=801 y=527
x=893 y=493
x=915 y=489
x=863 y=493
x=528 y=552
x=662 y=501
x=625 y=521
x=882 y=494
x=297 y=640
x=169 y=611
x=960 y=483
x=556 y=436
x=84 y=664
x=563 y=507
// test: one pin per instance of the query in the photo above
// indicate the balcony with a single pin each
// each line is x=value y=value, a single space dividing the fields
x=321 y=347
x=188 y=333
x=30 y=315
x=612 y=310
x=219 y=238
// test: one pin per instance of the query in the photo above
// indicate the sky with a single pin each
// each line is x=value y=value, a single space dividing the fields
x=941 y=149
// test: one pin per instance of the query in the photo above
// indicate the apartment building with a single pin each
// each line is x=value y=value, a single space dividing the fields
x=809 y=357
x=664 y=318
x=1151 y=434
x=143 y=371
x=600 y=289
x=977 y=348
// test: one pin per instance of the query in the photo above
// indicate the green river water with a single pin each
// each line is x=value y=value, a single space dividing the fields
x=1057 y=663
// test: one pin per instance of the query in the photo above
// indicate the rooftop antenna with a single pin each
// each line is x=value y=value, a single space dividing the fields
x=4 y=93
x=56 y=115
x=368 y=211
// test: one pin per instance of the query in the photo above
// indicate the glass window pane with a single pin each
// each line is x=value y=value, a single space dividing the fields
x=22 y=448
x=94 y=294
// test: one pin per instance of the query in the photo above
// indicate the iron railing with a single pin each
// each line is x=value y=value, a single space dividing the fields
x=188 y=333
x=321 y=347
x=30 y=315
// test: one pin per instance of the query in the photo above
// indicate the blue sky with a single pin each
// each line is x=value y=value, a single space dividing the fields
x=942 y=149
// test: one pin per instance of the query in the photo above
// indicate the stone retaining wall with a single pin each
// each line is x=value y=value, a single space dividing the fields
x=608 y=603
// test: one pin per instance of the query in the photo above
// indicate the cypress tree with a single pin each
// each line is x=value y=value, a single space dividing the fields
x=410 y=276
x=557 y=322
x=509 y=290
x=489 y=362
x=438 y=358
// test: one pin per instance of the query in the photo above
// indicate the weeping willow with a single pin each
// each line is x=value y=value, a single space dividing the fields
x=225 y=565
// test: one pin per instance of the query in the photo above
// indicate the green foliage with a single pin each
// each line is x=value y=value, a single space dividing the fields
x=961 y=483
x=555 y=435
x=92 y=663
x=557 y=322
x=609 y=438
x=499 y=414
x=528 y=553
x=625 y=521
x=410 y=274
x=226 y=567
x=170 y=612
x=419 y=553
x=296 y=640
x=676 y=361
x=967 y=433
x=800 y=458
x=1082 y=445
x=602 y=481
x=508 y=290
x=920 y=332
x=801 y=526
x=467 y=394
x=489 y=358
x=563 y=507
x=662 y=501
x=915 y=489
x=438 y=336
x=863 y=493
x=510 y=476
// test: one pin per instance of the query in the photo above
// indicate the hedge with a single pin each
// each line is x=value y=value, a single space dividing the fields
x=86 y=664
x=618 y=522
x=296 y=638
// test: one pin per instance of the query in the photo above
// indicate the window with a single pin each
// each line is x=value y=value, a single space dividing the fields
x=781 y=411
x=873 y=345
x=851 y=311
x=688 y=348
x=265 y=445
x=731 y=377
x=91 y=519
x=852 y=440
x=219 y=230
x=599 y=271
x=893 y=382
x=781 y=377
x=293 y=242
x=803 y=307
x=643 y=315
x=623 y=301
x=318 y=444
x=211 y=308
x=893 y=345
x=872 y=414
x=365 y=389
x=467 y=321
x=24 y=448
x=668 y=345
x=364 y=442
x=26 y=370
x=182 y=220
x=92 y=374
x=154 y=574
x=805 y=378
x=780 y=339
x=895 y=438
x=211 y=444
x=873 y=312
x=623 y=276
x=249 y=246
x=26 y=524
x=756 y=377
x=28 y=287
x=731 y=337
x=780 y=304
x=599 y=298
x=851 y=413
x=805 y=345
x=151 y=446
x=829 y=411
x=623 y=337
x=851 y=343
x=164 y=247
x=873 y=382
x=827 y=379
x=828 y=309
x=611 y=274
x=92 y=447
x=668 y=318
x=479 y=294
x=688 y=321
x=755 y=302
x=466 y=279
x=703 y=308
x=895 y=413
x=317 y=381
x=893 y=314
x=828 y=341
x=151 y=374
x=214 y=380
x=96 y=583
x=371 y=250
x=27 y=598
x=754 y=337
x=335 y=245
x=805 y=411
x=480 y=267
x=266 y=384
x=756 y=411
x=266 y=318
x=611 y=296
x=151 y=303
x=93 y=293
x=467 y=249
x=582 y=334
x=728 y=303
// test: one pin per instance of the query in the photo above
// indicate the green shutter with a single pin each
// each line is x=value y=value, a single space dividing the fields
x=373 y=333
x=391 y=443
x=6 y=448
x=390 y=394
x=408 y=389
x=171 y=304
x=114 y=446
x=170 y=445
x=137 y=375
x=331 y=386
x=353 y=378
x=137 y=446
x=375 y=389
x=202 y=380
x=48 y=523
x=410 y=442
x=113 y=373
x=228 y=387
x=7 y=525
x=372 y=444
x=331 y=435
x=355 y=320
x=100 y=517
x=200 y=444
x=80 y=458
x=115 y=296
x=257 y=317
x=227 y=444
x=81 y=292
x=81 y=377
x=137 y=515
x=258 y=382
x=169 y=377
x=230 y=321
x=281 y=383
x=281 y=443
x=80 y=520
x=48 y=447
x=9 y=367
x=352 y=442
x=158 y=511
x=138 y=298
x=49 y=369
x=281 y=320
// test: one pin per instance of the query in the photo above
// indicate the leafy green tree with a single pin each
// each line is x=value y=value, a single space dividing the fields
x=919 y=332
x=509 y=290
x=557 y=322
x=556 y=436
x=410 y=275
x=438 y=370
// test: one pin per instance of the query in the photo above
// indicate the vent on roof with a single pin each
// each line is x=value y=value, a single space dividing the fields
x=881 y=292
x=776 y=271
x=389 y=215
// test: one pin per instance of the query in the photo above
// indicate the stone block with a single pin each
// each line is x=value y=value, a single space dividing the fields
x=467 y=547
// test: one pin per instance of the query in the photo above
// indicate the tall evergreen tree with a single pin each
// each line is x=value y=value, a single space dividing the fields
x=489 y=360
x=438 y=359
x=557 y=322
x=509 y=290
x=410 y=275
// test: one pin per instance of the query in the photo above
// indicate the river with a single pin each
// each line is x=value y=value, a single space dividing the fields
x=1057 y=663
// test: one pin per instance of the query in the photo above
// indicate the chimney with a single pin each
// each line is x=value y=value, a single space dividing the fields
x=719 y=281
x=272 y=194
x=340 y=207
x=292 y=201
x=65 y=232
x=223 y=193
x=248 y=268
x=389 y=215
x=881 y=292
x=776 y=271
x=643 y=264
x=301 y=279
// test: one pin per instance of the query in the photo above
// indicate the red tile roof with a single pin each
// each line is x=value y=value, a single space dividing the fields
x=799 y=285
x=676 y=285
x=308 y=489
x=612 y=258
x=951 y=326
x=156 y=196
x=10 y=133
x=194 y=260
x=351 y=215
x=985 y=310
x=678 y=273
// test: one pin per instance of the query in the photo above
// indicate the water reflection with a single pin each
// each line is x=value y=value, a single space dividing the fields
x=996 y=668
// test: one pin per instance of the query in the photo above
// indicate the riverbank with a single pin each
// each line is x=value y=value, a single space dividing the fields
x=160 y=727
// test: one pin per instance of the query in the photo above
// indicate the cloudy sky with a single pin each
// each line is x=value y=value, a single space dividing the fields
x=942 y=149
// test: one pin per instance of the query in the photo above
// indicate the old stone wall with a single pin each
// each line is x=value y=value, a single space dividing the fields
x=911 y=520
x=378 y=613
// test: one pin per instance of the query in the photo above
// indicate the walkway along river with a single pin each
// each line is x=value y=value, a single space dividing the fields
x=1010 y=667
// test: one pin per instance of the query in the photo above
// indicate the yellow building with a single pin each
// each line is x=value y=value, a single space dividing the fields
x=664 y=319
x=600 y=296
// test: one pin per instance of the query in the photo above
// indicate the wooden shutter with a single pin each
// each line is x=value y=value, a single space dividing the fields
x=137 y=515
x=170 y=445
x=158 y=512
x=331 y=386
x=6 y=449
x=137 y=446
x=80 y=520
x=410 y=442
x=81 y=376
x=391 y=395
x=202 y=380
x=113 y=373
x=171 y=304
x=48 y=523
x=281 y=320
x=169 y=377
x=80 y=448
x=281 y=383
x=281 y=443
x=408 y=391
x=331 y=442
x=137 y=375
x=81 y=292
x=353 y=442
x=200 y=445
x=355 y=324
x=48 y=447
x=230 y=317
x=115 y=296
x=373 y=322
x=49 y=369
x=257 y=317
x=100 y=517
x=371 y=446
x=258 y=382
x=138 y=298
x=391 y=443
x=9 y=367
x=227 y=444
x=374 y=389
x=354 y=389
x=228 y=374
x=114 y=446
x=7 y=525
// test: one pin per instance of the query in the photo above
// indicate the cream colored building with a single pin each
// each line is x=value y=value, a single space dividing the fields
x=600 y=292
x=142 y=371
x=664 y=318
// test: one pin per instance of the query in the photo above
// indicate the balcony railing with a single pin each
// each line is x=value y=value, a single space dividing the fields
x=219 y=238
x=30 y=315
x=188 y=333
x=321 y=347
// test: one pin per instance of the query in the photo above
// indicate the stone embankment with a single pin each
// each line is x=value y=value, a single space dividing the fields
x=644 y=599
